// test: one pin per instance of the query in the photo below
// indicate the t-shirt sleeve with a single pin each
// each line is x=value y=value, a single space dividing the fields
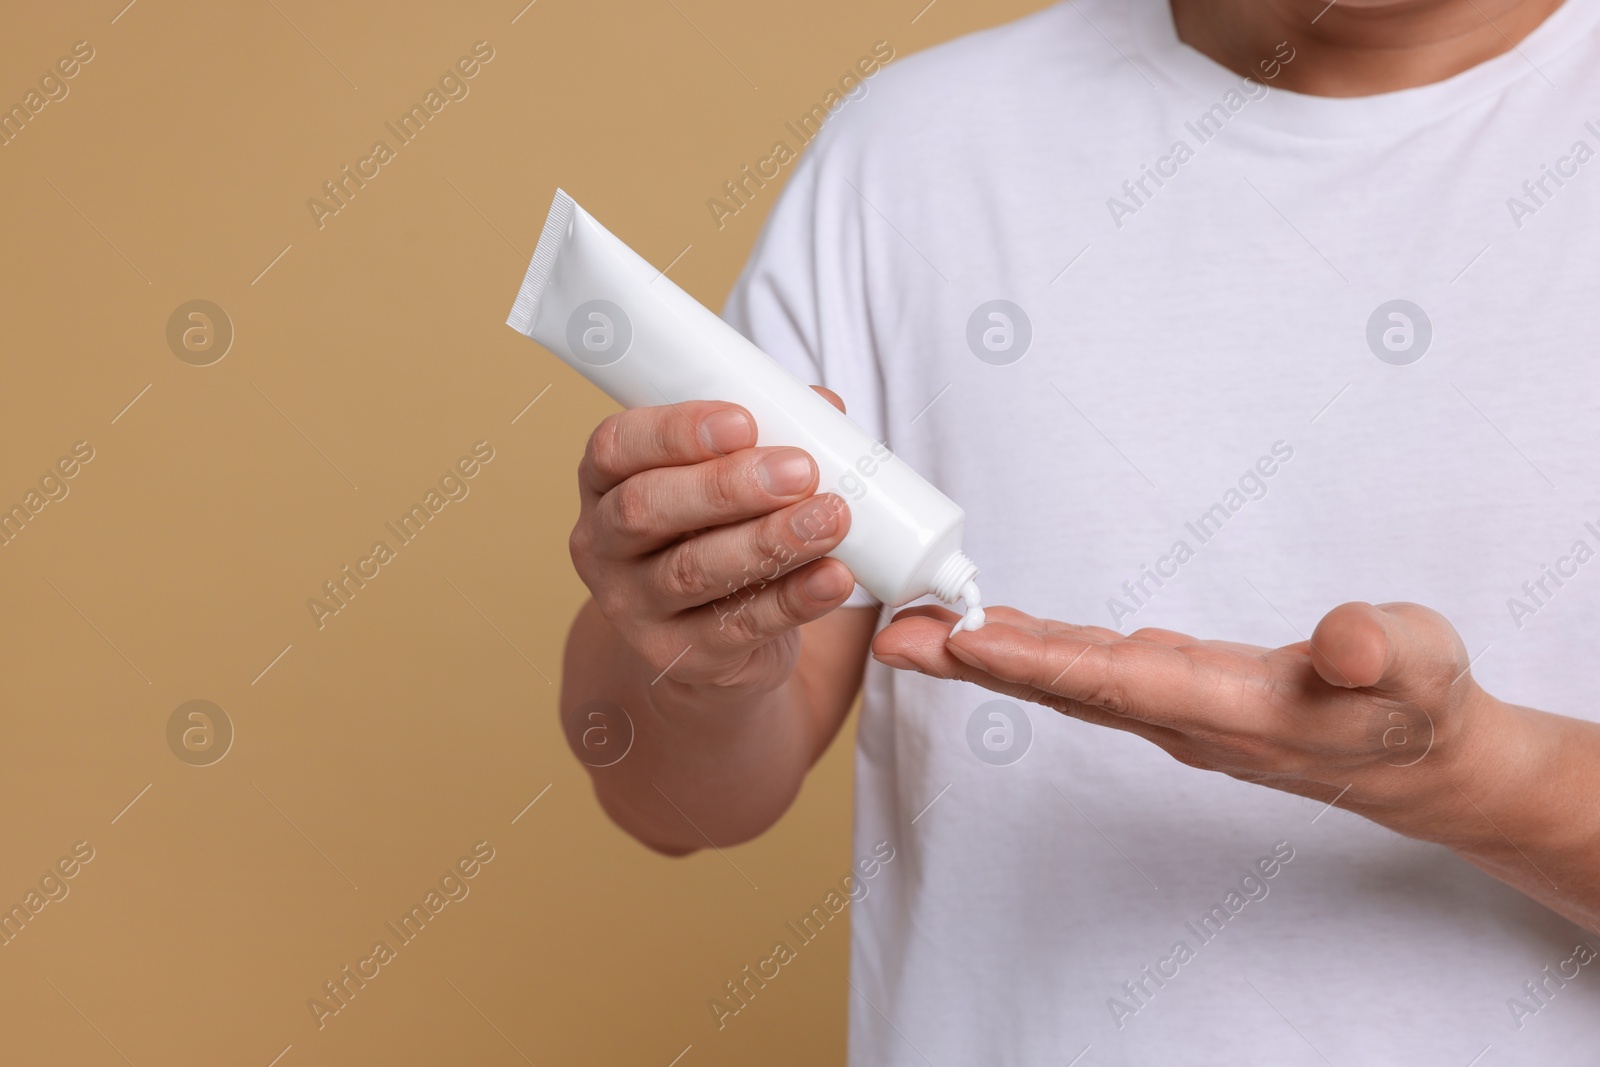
x=802 y=296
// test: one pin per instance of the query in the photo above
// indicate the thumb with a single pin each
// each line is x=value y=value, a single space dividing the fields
x=829 y=395
x=1387 y=647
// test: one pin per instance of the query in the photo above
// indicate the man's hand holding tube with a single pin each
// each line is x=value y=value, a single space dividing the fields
x=1378 y=712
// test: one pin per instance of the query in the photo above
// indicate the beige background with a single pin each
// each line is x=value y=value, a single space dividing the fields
x=369 y=355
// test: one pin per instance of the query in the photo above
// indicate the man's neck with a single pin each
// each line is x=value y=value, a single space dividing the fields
x=1356 y=47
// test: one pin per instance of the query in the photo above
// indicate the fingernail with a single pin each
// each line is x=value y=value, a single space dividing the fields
x=785 y=472
x=817 y=519
x=890 y=659
x=827 y=583
x=727 y=430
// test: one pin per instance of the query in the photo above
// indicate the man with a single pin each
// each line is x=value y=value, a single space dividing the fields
x=1214 y=318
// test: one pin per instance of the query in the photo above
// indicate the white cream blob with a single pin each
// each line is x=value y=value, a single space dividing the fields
x=973 y=619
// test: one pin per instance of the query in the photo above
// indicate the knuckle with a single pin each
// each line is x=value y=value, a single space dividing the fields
x=723 y=485
x=790 y=604
x=664 y=438
x=738 y=620
x=580 y=545
x=758 y=617
x=767 y=548
x=814 y=520
x=631 y=510
x=1104 y=691
x=682 y=576
x=604 y=453
x=778 y=542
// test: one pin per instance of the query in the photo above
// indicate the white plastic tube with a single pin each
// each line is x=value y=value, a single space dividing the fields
x=625 y=326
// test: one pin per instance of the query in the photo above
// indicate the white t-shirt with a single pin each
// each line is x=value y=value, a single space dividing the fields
x=1212 y=360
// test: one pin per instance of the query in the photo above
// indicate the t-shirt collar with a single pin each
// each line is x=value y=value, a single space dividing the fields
x=1150 y=40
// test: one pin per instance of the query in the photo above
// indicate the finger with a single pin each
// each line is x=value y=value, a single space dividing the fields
x=671 y=435
x=1210 y=650
x=890 y=638
x=830 y=396
x=1389 y=647
x=756 y=615
x=912 y=636
x=655 y=507
x=1230 y=646
x=1151 y=682
x=918 y=640
x=729 y=560
x=1024 y=620
x=1050 y=626
x=915 y=640
x=1350 y=646
x=1156 y=635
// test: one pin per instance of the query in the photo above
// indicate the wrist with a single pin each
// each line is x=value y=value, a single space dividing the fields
x=710 y=763
x=1463 y=738
x=1488 y=789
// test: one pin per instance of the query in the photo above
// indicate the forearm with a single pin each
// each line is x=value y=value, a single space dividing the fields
x=707 y=765
x=1527 y=809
